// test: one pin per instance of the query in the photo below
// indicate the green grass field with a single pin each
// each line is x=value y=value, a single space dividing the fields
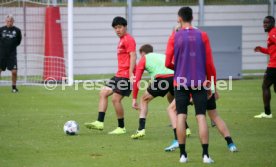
x=31 y=131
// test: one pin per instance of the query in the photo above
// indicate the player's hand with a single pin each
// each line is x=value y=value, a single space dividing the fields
x=209 y=94
x=131 y=78
x=135 y=105
x=257 y=49
x=209 y=90
x=177 y=28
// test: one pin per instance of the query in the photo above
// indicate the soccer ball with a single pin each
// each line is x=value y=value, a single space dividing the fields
x=71 y=128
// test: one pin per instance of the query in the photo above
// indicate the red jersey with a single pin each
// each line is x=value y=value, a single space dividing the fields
x=271 y=48
x=126 y=45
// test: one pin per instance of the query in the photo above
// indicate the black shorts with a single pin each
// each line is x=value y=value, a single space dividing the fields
x=8 y=60
x=120 y=85
x=270 y=74
x=211 y=103
x=161 y=86
x=182 y=97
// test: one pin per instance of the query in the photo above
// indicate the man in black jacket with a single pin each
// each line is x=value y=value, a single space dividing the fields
x=10 y=38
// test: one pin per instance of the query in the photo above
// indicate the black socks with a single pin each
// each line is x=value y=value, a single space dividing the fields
x=142 y=122
x=101 y=116
x=267 y=110
x=228 y=140
x=205 y=150
x=182 y=150
x=175 y=135
x=204 y=147
x=121 y=123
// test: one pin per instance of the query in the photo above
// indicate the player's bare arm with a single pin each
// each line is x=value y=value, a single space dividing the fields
x=132 y=66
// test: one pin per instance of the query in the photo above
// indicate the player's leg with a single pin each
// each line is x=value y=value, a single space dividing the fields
x=223 y=129
x=273 y=78
x=159 y=87
x=203 y=135
x=14 y=78
x=181 y=100
x=266 y=95
x=144 y=101
x=103 y=99
x=173 y=116
x=220 y=124
x=170 y=97
x=103 y=103
x=200 y=103
x=121 y=90
x=171 y=110
x=117 y=104
x=181 y=135
x=12 y=66
x=2 y=62
x=105 y=92
x=274 y=85
x=143 y=112
x=267 y=82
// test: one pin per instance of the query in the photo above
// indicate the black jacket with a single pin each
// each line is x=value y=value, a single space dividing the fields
x=10 y=38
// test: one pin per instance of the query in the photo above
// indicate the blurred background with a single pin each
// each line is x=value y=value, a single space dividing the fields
x=149 y=21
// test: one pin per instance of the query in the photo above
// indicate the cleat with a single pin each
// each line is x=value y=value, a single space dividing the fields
x=139 y=134
x=188 y=132
x=15 y=90
x=263 y=115
x=174 y=145
x=95 y=125
x=207 y=160
x=232 y=147
x=183 y=159
x=118 y=131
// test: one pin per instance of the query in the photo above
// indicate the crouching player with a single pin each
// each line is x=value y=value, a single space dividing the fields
x=162 y=84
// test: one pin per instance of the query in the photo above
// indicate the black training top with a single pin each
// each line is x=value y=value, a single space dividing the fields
x=10 y=38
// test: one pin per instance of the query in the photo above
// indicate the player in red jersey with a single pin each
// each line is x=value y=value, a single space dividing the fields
x=216 y=120
x=119 y=86
x=270 y=74
x=193 y=66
